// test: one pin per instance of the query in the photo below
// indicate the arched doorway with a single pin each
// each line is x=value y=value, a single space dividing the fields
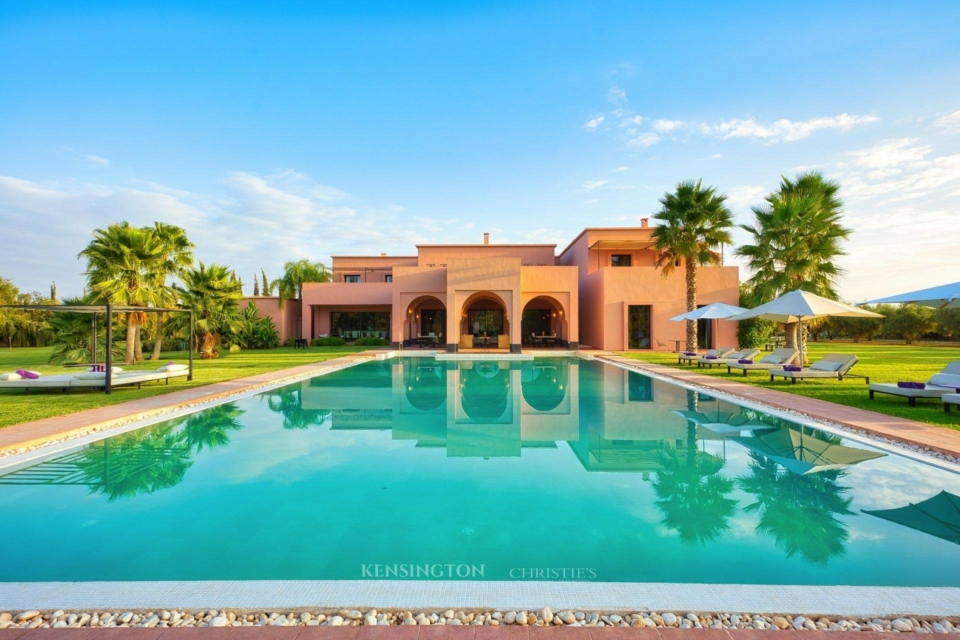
x=544 y=323
x=485 y=319
x=425 y=322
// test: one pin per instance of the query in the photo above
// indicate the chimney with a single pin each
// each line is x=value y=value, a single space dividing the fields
x=644 y=223
x=486 y=238
x=383 y=255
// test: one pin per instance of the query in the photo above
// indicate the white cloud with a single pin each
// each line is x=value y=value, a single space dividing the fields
x=619 y=169
x=783 y=130
x=634 y=121
x=746 y=195
x=666 y=126
x=644 y=140
x=255 y=221
x=617 y=96
x=716 y=156
x=949 y=121
x=590 y=185
x=593 y=123
x=86 y=158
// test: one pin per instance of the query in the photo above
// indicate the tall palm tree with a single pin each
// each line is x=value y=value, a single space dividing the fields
x=289 y=286
x=796 y=239
x=213 y=294
x=178 y=255
x=122 y=263
x=695 y=222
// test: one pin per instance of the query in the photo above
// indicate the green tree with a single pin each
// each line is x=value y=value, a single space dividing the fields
x=910 y=322
x=694 y=223
x=122 y=266
x=71 y=335
x=177 y=256
x=8 y=318
x=290 y=285
x=211 y=428
x=948 y=322
x=796 y=239
x=213 y=294
x=288 y=402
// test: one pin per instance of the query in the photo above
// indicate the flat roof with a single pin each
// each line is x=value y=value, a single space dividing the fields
x=480 y=244
x=377 y=257
x=579 y=235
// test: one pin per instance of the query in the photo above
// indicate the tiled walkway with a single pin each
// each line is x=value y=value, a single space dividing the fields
x=910 y=431
x=416 y=633
x=28 y=434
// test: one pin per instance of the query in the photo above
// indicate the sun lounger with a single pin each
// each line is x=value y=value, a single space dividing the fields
x=774 y=360
x=88 y=380
x=833 y=366
x=950 y=399
x=733 y=356
x=943 y=383
x=720 y=353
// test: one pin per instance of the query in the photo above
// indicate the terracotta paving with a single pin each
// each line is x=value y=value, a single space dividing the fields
x=414 y=633
x=910 y=431
x=33 y=433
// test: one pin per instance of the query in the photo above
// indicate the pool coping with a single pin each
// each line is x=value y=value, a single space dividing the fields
x=910 y=432
x=499 y=595
x=765 y=599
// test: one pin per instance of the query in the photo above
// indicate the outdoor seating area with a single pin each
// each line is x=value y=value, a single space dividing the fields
x=731 y=356
x=778 y=358
x=941 y=384
x=833 y=366
x=93 y=379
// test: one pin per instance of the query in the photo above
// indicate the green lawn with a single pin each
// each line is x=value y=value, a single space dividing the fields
x=882 y=362
x=17 y=406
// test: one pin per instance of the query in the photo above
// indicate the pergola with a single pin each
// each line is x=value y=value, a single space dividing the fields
x=107 y=309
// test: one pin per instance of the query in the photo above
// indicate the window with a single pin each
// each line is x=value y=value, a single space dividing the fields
x=351 y=278
x=351 y=325
x=621 y=260
x=388 y=277
x=638 y=327
x=486 y=322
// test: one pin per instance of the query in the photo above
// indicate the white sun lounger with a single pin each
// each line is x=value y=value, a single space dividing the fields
x=941 y=384
x=833 y=366
x=950 y=399
x=80 y=381
x=722 y=352
x=733 y=356
x=774 y=360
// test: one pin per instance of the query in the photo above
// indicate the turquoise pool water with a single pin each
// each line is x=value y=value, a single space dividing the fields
x=558 y=469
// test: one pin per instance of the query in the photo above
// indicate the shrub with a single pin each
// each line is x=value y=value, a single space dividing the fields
x=328 y=342
x=372 y=342
x=910 y=322
x=753 y=333
x=289 y=342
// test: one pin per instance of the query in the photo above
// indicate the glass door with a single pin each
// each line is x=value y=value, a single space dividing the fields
x=638 y=327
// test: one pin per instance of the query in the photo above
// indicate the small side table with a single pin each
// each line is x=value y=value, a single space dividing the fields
x=300 y=343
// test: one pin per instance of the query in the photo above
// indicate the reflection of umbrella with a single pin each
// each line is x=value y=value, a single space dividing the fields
x=942 y=297
x=938 y=516
x=722 y=422
x=803 y=454
x=798 y=306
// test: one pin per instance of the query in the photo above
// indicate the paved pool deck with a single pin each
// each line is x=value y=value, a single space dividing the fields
x=939 y=439
x=415 y=633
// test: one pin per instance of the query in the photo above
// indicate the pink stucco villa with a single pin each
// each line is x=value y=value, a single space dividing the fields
x=603 y=291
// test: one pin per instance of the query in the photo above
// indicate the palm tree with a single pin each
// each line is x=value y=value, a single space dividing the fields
x=288 y=402
x=211 y=428
x=797 y=237
x=178 y=255
x=694 y=222
x=122 y=263
x=213 y=294
x=290 y=285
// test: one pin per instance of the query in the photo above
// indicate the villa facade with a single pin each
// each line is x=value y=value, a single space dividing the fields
x=604 y=291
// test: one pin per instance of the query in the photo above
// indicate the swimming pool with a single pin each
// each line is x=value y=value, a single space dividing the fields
x=556 y=469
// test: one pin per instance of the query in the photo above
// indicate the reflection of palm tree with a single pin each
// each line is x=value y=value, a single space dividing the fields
x=137 y=462
x=691 y=494
x=212 y=427
x=288 y=402
x=799 y=511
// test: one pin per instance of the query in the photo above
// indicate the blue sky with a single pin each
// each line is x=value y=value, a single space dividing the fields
x=276 y=131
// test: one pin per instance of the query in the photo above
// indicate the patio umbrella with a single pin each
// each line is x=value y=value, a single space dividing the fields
x=942 y=297
x=803 y=453
x=798 y=306
x=938 y=516
x=723 y=422
x=713 y=311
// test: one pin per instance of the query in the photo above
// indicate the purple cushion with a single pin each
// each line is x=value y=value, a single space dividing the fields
x=745 y=361
x=792 y=367
x=710 y=357
x=912 y=385
x=689 y=353
x=29 y=375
